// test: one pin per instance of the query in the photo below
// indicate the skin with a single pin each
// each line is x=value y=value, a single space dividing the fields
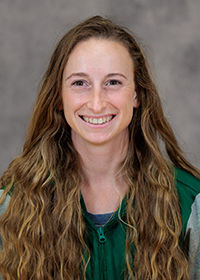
x=98 y=98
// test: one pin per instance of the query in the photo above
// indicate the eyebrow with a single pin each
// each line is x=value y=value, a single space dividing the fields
x=116 y=74
x=82 y=74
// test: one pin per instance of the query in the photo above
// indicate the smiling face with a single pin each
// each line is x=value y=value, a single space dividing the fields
x=98 y=91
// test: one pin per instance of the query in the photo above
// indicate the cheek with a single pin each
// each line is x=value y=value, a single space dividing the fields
x=127 y=107
x=69 y=103
x=71 y=107
x=125 y=101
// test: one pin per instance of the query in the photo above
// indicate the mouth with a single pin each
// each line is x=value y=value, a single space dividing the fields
x=97 y=121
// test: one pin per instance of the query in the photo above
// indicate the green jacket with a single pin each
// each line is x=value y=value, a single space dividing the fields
x=107 y=244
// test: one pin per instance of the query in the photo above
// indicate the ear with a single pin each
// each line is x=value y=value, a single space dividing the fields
x=60 y=106
x=60 y=103
x=136 y=103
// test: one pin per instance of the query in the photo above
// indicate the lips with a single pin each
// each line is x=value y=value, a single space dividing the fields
x=97 y=121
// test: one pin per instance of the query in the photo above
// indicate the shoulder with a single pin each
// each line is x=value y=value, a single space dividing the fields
x=188 y=186
x=188 y=189
x=4 y=204
x=186 y=182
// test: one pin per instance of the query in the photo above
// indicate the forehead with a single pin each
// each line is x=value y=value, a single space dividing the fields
x=104 y=50
x=99 y=41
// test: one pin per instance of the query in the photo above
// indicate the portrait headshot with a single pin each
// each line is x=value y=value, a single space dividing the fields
x=100 y=160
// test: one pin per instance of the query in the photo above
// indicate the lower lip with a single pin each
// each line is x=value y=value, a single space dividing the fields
x=98 y=125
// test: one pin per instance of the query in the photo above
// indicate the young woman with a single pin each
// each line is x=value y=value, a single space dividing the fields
x=94 y=195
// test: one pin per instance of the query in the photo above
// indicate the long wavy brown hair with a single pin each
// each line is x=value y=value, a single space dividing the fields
x=43 y=230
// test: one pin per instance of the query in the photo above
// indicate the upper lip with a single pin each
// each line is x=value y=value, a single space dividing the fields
x=97 y=117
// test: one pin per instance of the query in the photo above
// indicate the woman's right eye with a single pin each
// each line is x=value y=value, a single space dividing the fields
x=79 y=83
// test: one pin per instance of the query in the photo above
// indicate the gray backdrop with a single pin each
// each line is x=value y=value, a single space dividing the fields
x=29 y=30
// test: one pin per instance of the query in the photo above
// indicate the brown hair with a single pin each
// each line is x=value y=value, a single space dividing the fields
x=39 y=241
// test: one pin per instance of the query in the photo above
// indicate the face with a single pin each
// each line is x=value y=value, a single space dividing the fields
x=98 y=91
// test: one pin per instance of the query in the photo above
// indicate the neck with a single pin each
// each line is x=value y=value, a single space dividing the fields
x=100 y=163
x=104 y=186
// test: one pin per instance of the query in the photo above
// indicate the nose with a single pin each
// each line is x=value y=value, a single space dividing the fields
x=97 y=101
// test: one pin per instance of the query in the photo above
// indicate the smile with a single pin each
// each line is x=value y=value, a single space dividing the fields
x=97 y=121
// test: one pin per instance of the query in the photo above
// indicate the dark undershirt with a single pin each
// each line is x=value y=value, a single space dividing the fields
x=100 y=219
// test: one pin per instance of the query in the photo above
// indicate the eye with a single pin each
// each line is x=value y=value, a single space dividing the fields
x=114 y=82
x=79 y=83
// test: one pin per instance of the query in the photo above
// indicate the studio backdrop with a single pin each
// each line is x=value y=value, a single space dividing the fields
x=30 y=29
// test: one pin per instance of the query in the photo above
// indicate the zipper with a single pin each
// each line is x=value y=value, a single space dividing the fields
x=102 y=238
x=102 y=255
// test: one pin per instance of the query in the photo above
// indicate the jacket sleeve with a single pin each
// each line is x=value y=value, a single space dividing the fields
x=4 y=205
x=193 y=226
x=3 y=208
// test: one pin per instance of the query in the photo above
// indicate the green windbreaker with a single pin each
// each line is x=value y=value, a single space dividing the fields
x=107 y=244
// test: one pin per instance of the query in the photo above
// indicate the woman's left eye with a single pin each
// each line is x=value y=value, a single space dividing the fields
x=114 y=82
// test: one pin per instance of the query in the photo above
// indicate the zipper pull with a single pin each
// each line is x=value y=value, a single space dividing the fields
x=102 y=238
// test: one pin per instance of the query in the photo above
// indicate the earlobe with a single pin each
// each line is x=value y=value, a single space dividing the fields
x=60 y=107
x=136 y=103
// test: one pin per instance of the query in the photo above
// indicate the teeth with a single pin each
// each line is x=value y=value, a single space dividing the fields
x=100 y=121
x=97 y=121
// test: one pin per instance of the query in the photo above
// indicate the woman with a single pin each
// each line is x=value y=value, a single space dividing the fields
x=93 y=195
